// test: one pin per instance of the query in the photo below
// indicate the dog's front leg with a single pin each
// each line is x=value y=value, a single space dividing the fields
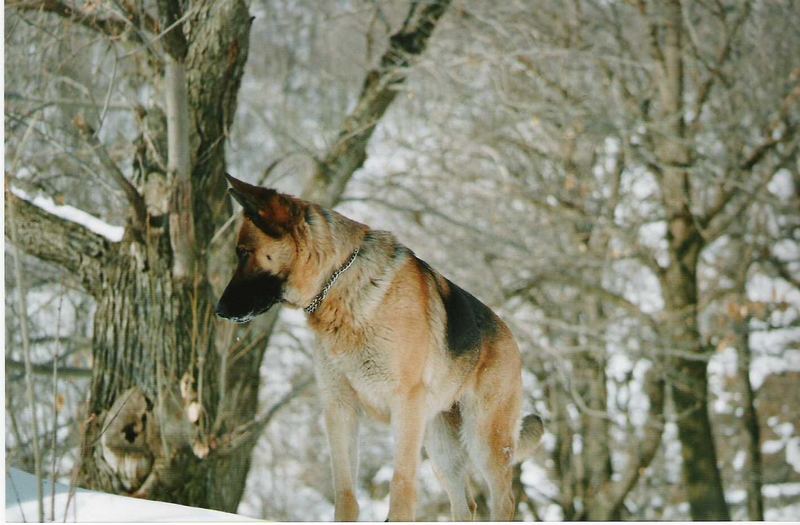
x=408 y=429
x=341 y=422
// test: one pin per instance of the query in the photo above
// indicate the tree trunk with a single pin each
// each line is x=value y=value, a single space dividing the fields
x=562 y=456
x=740 y=315
x=148 y=332
x=173 y=397
x=755 y=500
x=591 y=378
x=702 y=478
x=154 y=326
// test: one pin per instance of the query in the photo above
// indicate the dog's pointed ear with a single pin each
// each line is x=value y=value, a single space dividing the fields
x=273 y=213
x=252 y=198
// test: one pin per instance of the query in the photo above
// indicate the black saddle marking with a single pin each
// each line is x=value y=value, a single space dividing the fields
x=469 y=322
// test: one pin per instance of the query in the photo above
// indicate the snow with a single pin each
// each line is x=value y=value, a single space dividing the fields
x=781 y=490
x=787 y=513
x=793 y=453
x=384 y=475
x=536 y=477
x=772 y=446
x=70 y=213
x=739 y=460
x=781 y=184
x=723 y=365
x=786 y=440
x=735 y=496
x=784 y=429
x=91 y=506
x=763 y=365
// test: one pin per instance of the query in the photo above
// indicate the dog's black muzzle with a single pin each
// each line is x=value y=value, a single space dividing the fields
x=246 y=298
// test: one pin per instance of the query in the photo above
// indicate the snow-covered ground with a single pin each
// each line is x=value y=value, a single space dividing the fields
x=89 y=506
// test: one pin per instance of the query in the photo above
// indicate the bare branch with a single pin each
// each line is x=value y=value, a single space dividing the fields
x=772 y=138
x=705 y=88
x=46 y=369
x=379 y=90
x=247 y=433
x=65 y=243
x=653 y=41
x=760 y=151
x=12 y=228
x=174 y=38
x=179 y=165
x=644 y=452
x=598 y=291
x=783 y=271
x=717 y=221
x=138 y=206
x=114 y=27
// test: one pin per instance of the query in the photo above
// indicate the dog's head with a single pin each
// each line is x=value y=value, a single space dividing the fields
x=267 y=249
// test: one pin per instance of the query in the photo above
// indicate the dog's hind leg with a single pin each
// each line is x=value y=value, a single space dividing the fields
x=443 y=445
x=491 y=414
x=491 y=444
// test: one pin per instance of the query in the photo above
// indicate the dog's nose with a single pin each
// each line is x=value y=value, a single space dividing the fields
x=221 y=310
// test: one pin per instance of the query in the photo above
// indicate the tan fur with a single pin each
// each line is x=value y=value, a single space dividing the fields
x=382 y=349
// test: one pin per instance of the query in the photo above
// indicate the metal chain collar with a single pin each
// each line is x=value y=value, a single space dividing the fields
x=316 y=301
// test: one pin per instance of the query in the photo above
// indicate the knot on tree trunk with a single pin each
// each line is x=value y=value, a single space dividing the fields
x=140 y=437
x=129 y=439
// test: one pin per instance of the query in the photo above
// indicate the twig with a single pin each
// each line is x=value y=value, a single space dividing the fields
x=23 y=321
x=115 y=27
x=16 y=497
x=249 y=431
x=110 y=90
x=12 y=96
x=55 y=408
x=69 y=372
x=138 y=207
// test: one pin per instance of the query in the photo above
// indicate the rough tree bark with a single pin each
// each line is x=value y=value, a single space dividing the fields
x=152 y=326
x=702 y=479
x=154 y=321
x=155 y=336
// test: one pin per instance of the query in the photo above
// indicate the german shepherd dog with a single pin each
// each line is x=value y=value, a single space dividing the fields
x=395 y=339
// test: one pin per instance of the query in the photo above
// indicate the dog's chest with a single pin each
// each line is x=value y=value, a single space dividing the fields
x=367 y=370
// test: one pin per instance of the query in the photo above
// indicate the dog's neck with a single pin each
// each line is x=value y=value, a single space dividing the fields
x=317 y=300
x=334 y=241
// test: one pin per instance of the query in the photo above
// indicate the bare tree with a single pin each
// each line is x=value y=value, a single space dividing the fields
x=172 y=389
x=605 y=145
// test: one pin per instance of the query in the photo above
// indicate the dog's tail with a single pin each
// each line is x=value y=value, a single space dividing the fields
x=530 y=435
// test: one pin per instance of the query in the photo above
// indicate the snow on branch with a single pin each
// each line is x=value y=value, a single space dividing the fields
x=109 y=231
x=62 y=235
